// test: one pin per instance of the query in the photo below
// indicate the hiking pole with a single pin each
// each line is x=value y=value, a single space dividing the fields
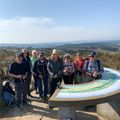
x=44 y=112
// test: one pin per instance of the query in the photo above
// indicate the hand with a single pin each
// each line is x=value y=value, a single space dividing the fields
x=87 y=73
x=19 y=77
x=24 y=77
x=95 y=74
x=78 y=68
x=64 y=70
x=34 y=73
x=41 y=76
x=55 y=76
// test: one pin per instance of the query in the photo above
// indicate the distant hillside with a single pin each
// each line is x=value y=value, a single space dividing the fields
x=107 y=45
x=63 y=44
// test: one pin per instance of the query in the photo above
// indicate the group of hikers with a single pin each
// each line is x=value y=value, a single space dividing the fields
x=54 y=70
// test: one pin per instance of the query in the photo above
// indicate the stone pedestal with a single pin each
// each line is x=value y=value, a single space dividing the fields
x=110 y=110
x=67 y=113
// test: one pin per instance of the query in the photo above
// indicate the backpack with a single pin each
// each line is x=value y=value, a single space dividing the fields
x=98 y=62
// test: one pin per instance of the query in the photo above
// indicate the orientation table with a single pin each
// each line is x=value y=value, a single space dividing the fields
x=104 y=93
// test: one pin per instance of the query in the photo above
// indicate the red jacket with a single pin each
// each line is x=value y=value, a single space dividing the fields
x=79 y=62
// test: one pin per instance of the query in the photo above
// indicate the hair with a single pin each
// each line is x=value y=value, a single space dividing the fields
x=34 y=51
x=27 y=55
x=67 y=56
x=53 y=52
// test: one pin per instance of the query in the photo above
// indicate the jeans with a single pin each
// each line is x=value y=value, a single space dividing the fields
x=28 y=81
x=35 y=82
x=43 y=86
x=68 y=79
x=8 y=98
x=20 y=89
x=53 y=84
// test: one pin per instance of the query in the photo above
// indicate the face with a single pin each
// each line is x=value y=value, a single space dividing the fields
x=55 y=56
x=19 y=59
x=41 y=56
x=67 y=59
x=25 y=54
x=34 y=54
x=92 y=57
x=78 y=56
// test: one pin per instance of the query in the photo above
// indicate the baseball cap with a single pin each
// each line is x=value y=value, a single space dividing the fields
x=18 y=54
x=92 y=53
x=24 y=50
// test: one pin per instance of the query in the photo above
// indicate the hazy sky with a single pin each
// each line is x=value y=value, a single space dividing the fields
x=32 y=21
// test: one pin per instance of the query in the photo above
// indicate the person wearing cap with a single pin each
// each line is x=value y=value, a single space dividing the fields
x=93 y=68
x=55 y=70
x=41 y=73
x=18 y=71
x=33 y=59
x=78 y=63
x=27 y=62
x=68 y=70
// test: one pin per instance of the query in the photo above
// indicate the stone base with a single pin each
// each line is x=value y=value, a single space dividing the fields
x=66 y=113
x=110 y=111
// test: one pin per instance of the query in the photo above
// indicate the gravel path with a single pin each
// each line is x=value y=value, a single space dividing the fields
x=36 y=109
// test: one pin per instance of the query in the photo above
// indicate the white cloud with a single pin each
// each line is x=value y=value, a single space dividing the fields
x=33 y=30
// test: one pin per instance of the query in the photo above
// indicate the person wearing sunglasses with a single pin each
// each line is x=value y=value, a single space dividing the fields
x=93 y=68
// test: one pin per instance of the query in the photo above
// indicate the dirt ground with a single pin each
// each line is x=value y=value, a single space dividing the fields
x=36 y=109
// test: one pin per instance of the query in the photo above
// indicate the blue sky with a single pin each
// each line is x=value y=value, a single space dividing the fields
x=32 y=21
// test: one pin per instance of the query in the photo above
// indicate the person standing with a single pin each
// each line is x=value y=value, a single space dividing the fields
x=68 y=70
x=33 y=59
x=41 y=74
x=55 y=70
x=27 y=62
x=18 y=71
x=78 y=63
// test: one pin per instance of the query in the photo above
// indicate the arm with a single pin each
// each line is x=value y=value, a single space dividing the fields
x=73 y=68
x=101 y=68
x=85 y=69
x=34 y=70
x=11 y=72
x=25 y=76
x=50 y=71
x=61 y=68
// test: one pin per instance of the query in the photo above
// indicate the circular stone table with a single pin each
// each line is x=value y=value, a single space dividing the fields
x=105 y=90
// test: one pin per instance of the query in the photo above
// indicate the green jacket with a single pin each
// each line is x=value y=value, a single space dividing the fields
x=33 y=60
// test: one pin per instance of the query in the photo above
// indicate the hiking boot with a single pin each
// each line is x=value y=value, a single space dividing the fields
x=50 y=107
x=45 y=99
x=30 y=96
x=41 y=98
x=24 y=103
x=18 y=106
x=36 y=92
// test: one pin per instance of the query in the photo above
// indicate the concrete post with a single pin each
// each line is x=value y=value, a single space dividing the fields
x=67 y=113
x=110 y=110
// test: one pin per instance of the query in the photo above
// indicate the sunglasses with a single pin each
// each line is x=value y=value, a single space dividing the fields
x=92 y=56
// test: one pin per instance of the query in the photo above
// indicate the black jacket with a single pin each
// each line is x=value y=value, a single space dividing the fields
x=55 y=67
x=40 y=68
